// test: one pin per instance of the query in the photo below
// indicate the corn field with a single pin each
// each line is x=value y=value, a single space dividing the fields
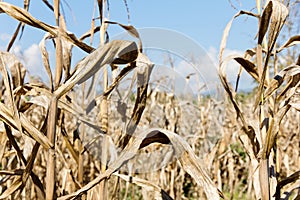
x=63 y=138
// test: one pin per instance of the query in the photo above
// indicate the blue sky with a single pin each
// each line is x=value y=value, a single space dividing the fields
x=201 y=21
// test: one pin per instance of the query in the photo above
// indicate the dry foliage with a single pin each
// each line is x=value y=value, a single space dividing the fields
x=61 y=141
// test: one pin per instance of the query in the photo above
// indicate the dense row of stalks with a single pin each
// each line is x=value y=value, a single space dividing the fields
x=60 y=139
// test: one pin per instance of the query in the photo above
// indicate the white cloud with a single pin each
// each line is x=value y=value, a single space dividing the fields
x=5 y=37
x=33 y=61
x=32 y=58
x=17 y=50
x=206 y=68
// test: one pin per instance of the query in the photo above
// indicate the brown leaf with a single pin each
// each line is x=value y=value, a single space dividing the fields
x=7 y=117
x=248 y=66
x=144 y=69
x=284 y=75
x=87 y=67
x=296 y=106
x=149 y=186
x=9 y=60
x=226 y=32
x=189 y=161
x=131 y=30
x=278 y=17
x=22 y=15
x=273 y=18
x=14 y=187
x=291 y=42
x=45 y=57
x=264 y=22
x=264 y=179
x=248 y=129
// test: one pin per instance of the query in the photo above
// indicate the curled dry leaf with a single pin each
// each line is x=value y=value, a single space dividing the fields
x=227 y=29
x=87 y=67
x=122 y=74
x=183 y=151
x=14 y=187
x=9 y=60
x=143 y=70
x=272 y=20
x=284 y=75
x=248 y=66
x=7 y=117
x=296 y=106
x=247 y=128
x=20 y=26
x=22 y=15
x=131 y=30
x=149 y=186
x=249 y=53
x=45 y=57
x=291 y=42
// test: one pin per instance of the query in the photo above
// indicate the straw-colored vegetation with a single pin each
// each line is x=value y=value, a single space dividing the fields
x=60 y=139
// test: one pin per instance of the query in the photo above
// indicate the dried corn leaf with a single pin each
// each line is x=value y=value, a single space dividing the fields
x=113 y=85
x=23 y=16
x=45 y=57
x=12 y=140
x=264 y=179
x=28 y=172
x=48 y=5
x=264 y=171
x=226 y=32
x=248 y=129
x=41 y=97
x=273 y=130
x=13 y=38
x=273 y=18
x=284 y=75
x=278 y=17
x=131 y=30
x=264 y=22
x=144 y=69
x=290 y=179
x=66 y=49
x=124 y=56
x=69 y=145
x=228 y=88
x=9 y=60
x=35 y=133
x=248 y=66
x=149 y=186
x=20 y=25
x=290 y=90
x=105 y=54
x=7 y=117
x=296 y=106
x=291 y=42
x=14 y=187
x=28 y=169
x=183 y=151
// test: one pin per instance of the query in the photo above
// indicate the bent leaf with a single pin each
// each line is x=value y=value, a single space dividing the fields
x=183 y=151
x=105 y=54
